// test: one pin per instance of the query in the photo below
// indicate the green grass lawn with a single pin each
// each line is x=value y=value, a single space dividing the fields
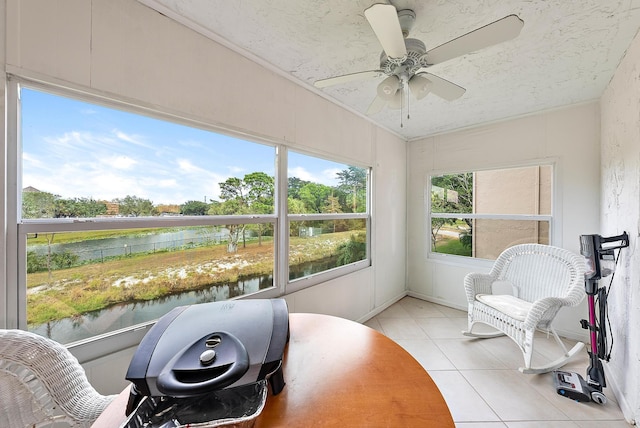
x=67 y=293
x=452 y=246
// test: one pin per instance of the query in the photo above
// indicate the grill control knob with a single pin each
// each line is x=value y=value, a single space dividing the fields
x=207 y=357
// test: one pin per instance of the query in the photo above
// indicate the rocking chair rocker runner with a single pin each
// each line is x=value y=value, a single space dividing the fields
x=526 y=287
x=42 y=384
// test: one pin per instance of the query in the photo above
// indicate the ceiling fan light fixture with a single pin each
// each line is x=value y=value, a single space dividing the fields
x=420 y=86
x=388 y=88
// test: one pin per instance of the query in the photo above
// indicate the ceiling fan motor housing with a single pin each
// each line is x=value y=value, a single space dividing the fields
x=415 y=50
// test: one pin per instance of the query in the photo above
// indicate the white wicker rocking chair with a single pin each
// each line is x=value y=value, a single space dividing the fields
x=42 y=384
x=527 y=286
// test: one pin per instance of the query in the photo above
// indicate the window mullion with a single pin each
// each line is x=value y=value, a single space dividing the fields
x=282 y=226
x=13 y=306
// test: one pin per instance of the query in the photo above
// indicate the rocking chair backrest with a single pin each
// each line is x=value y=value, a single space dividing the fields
x=536 y=271
x=42 y=382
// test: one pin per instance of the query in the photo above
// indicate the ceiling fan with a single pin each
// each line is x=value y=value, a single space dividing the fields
x=404 y=60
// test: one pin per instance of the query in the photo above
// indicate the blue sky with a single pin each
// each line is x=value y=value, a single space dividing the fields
x=76 y=149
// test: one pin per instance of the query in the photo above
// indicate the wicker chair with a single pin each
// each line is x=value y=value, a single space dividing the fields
x=42 y=384
x=527 y=286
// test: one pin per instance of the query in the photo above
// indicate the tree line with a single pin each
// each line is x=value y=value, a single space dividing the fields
x=252 y=194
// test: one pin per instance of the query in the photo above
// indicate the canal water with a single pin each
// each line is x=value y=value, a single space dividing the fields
x=128 y=314
x=99 y=249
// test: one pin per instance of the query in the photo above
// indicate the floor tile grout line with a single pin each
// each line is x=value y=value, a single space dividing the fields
x=414 y=315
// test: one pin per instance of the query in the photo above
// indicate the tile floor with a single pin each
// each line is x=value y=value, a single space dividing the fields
x=479 y=378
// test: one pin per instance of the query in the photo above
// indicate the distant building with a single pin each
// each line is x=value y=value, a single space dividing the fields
x=168 y=209
x=113 y=208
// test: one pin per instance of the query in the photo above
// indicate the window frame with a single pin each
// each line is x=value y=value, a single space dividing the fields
x=14 y=308
x=551 y=218
x=317 y=278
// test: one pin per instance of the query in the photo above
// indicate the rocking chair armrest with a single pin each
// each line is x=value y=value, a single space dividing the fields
x=477 y=283
x=544 y=309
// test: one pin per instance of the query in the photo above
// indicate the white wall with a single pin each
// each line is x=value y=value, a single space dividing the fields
x=569 y=136
x=620 y=204
x=126 y=51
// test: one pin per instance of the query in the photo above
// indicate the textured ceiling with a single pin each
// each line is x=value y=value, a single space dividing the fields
x=566 y=52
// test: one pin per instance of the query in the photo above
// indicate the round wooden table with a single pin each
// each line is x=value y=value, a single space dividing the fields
x=340 y=373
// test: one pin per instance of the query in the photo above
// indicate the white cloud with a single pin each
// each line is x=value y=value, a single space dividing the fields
x=301 y=173
x=129 y=138
x=331 y=175
x=32 y=161
x=168 y=183
x=110 y=165
x=120 y=162
x=326 y=177
x=236 y=169
x=186 y=166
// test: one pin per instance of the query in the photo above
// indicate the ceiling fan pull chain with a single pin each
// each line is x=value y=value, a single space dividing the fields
x=401 y=107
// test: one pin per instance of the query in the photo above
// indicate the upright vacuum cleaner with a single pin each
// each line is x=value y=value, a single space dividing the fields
x=601 y=259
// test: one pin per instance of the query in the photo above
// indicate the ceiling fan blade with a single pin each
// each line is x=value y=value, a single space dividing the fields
x=345 y=78
x=443 y=88
x=383 y=19
x=499 y=31
x=376 y=106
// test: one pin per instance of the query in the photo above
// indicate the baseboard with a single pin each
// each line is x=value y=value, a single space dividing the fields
x=366 y=317
x=437 y=301
x=568 y=334
x=627 y=411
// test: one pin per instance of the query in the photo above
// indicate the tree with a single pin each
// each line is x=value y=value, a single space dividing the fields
x=234 y=231
x=38 y=204
x=314 y=196
x=233 y=189
x=194 y=208
x=462 y=185
x=332 y=206
x=295 y=206
x=353 y=181
x=438 y=205
x=79 y=207
x=135 y=206
x=253 y=194
x=295 y=184
x=88 y=207
x=260 y=198
x=260 y=191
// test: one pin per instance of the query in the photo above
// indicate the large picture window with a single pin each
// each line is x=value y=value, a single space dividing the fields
x=481 y=213
x=122 y=216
